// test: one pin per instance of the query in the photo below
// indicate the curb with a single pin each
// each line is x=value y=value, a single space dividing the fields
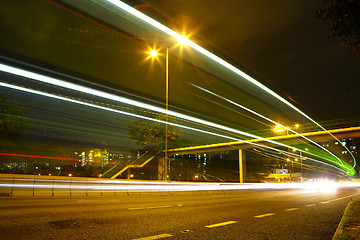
x=340 y=228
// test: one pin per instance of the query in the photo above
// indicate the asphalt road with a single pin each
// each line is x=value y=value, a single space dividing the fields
x=287 y=214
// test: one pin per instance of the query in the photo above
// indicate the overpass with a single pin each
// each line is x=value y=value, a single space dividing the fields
x=289 y=139
x=318 y=136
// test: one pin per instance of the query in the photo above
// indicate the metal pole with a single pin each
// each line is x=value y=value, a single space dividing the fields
x=300 y=164
x=12 y=187
x=167 y=107
x=34 y=187
x=241 y=166
x=52 y=189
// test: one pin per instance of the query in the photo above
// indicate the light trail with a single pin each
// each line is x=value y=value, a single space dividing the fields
x=70 y=184
x=139 y=116
x=75 y=87
x=274 y=122
x=308 y=158
x=204 y=52
x=302 y=164
x=215 y=58
x=199 y=49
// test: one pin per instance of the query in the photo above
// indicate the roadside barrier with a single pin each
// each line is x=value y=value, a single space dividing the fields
x=34 y=185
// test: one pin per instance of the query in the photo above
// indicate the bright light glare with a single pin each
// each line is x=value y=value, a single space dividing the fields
x=278 y=128
x=183 y=40
x=322 y=186
x=153 y=53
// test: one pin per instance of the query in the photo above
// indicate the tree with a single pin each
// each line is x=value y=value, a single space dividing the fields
x=12 y=123
x=343 y=20
x=151 y=134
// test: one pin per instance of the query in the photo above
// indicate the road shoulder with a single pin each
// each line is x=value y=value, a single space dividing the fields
x=349 y=226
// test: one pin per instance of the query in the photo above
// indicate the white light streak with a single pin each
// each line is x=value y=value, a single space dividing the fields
x=142 y=117
x=148 y=186
x=72 y=86
x=274 y=122
x=75 y=87
x=215 y=58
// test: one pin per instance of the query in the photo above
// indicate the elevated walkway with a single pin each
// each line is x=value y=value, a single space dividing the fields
x=140 y=162
x=318 y=136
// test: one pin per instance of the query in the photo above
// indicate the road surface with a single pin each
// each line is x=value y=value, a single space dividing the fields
x=286 y=214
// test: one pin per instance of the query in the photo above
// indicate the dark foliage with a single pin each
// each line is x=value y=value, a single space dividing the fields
x=343 y=21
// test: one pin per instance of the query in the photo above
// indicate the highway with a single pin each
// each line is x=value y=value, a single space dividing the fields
x=246 y=214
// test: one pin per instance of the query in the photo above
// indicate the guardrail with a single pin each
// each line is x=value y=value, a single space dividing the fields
x=34 y=185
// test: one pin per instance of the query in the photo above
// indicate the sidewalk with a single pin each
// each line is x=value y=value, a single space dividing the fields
x=349 y=226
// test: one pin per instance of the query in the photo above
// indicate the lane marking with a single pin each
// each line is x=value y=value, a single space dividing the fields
x=143 y=208
x=264 y=215
x=337 y=199
x=310 y=205
x=221 y=224
x=165 y=235
x=291 y=209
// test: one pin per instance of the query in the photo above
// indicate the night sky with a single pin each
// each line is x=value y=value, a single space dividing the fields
x=281 y=43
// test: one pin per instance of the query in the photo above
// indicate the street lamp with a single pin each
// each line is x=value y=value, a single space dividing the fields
x=153 y=53
x=182 y=40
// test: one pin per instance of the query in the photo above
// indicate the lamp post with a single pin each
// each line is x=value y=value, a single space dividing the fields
x=167 y=108
x=182 y=40
x=154 y=53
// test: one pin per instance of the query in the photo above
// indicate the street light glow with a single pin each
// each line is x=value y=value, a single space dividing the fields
x=183 y=40
x=278 y=128
x=153 y=53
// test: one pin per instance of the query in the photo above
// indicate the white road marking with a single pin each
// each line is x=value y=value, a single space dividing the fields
x=221 y=224
x=291 y=209
x=264 y=215
x=310 y=205
x=165 y=235
x=143 y=208
x=337 y=199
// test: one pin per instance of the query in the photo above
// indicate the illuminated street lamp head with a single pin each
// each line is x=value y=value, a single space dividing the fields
x=278 y=128
x=153 y=53
x=297 y=125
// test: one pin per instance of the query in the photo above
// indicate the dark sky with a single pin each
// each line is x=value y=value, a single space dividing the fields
x=280 y=43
